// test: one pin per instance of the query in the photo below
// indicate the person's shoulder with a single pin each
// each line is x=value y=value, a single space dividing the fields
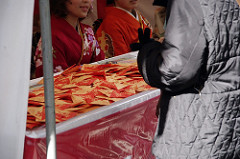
x=115 y=13
x=115 y=16
x=58 y=25
x=60 y=29
x=57 y=20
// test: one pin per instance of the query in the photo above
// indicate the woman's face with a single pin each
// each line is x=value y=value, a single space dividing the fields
x=78 y=8
x=129 y=5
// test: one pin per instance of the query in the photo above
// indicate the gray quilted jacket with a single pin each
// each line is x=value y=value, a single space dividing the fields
x=198 y=69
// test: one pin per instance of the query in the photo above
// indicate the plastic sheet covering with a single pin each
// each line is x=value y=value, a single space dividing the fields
x=125 y=134
x=121 y=130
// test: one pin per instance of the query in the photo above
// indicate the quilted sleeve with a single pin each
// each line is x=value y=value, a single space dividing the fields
x=175 y=64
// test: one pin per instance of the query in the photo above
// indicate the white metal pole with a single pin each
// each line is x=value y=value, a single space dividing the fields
x=48 y=78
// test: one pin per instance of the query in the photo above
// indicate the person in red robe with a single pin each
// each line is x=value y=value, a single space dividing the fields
x=73 y=42
x=119 y=28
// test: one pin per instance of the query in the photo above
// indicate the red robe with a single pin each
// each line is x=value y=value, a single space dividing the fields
x=118 y=30
x=67 y=46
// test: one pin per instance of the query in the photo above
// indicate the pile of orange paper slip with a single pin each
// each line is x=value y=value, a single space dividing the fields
x=81 y=89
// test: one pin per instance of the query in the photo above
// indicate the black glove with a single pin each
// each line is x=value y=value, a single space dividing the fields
x=148 y=59
x=143 y=39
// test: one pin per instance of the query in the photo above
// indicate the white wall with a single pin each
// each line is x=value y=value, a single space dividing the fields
x=15 y=51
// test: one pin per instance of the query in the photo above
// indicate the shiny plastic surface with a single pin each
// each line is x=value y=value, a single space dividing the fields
x=125 y=134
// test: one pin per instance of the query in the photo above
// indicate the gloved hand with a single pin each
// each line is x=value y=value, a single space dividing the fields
x=143 y=39
x=148 y=58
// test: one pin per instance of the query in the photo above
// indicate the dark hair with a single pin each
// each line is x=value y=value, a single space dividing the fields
x=110 y=2
x=58 y=8
x=96 y=25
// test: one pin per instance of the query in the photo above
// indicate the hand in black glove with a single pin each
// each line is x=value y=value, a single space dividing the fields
x=148 y=58
x=143 y=39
